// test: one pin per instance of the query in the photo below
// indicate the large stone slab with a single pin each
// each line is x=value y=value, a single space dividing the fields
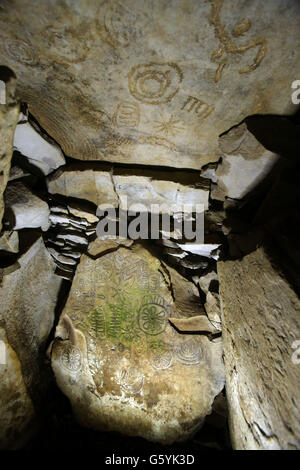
x=118 y=359
x=261 y=330
x=28 y=296
x=132 y=188
x=245 y=163
x=41 y=153
x=9 y=112
x=156 y=82
x=24 y=209
x=16 y=408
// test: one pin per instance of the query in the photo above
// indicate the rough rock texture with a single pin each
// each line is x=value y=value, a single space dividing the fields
x=261 y=321
x=100 y=247
x=2 y=92
x=118 y=359
x=16 y=409
x=24 y=209
x=151 y=81
x=130 y=188
x=28 y=295
x=40 y=152
x=93 y=186
x=245 y=163
x=9 y=241
x=9 y=113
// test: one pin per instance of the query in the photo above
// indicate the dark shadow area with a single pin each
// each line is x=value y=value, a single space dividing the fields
x=269 y=214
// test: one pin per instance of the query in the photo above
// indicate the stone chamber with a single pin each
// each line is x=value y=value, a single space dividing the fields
x=160 y=344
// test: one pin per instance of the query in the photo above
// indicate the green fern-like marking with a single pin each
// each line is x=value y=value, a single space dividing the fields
x=95 y=323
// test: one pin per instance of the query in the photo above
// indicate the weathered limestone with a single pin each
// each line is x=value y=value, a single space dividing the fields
x=24 y=209
x=93 y=186
x=131 y=188
x=118 y=359
x=9 y=112
x=156 y=82
x=99 y=246
x=9 y=241
x=261 y=323
x=199 y=323
x=159 y=188
x=28 y=295
x=16 y=408
x=41 y=153
x=245 y=163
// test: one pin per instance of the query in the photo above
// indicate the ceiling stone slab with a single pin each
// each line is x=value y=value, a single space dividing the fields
x=139 y=82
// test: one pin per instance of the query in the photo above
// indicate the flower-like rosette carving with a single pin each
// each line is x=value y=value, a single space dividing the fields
x=71 y=359
x=153 y=315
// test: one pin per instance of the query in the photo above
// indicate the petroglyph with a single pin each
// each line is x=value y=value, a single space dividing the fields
x=188 y=352
x=20 y=51
x=115 y=22
x=152 y=316
x=200 y=107
x=153 y=83
x=168 y=126
x=59 y=41
x=228 y=46
x=131 y=381
x=71 y=358
x=138 y=366
x=126 y=114
x=161 y=358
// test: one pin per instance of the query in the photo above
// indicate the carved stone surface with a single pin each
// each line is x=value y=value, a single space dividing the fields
x=118 y=359
x=261 y=331
x=9 y=112
x=156 y=82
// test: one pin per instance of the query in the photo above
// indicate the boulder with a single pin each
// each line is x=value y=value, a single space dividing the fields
x=119 y=360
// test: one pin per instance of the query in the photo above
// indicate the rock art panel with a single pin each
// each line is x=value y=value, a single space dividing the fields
x=119 y=360
x=139 y=82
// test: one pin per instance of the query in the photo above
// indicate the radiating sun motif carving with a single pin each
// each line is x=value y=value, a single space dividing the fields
x=168 y=127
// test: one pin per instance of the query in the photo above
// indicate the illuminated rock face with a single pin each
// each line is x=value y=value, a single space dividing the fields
x=261 y=321
x=16 y=409
x=9 y=112
x=28 y=295
x=150 y=82
x=119 y=360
